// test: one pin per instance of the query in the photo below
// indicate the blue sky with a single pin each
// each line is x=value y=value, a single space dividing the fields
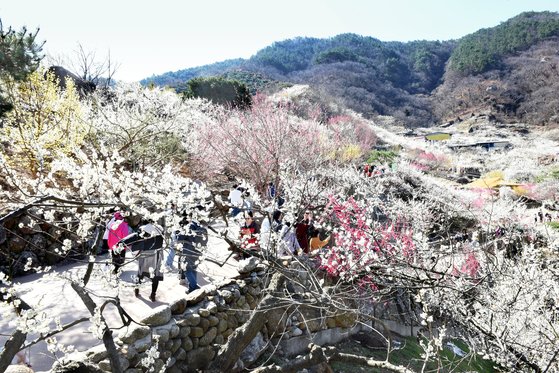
x=153 y=37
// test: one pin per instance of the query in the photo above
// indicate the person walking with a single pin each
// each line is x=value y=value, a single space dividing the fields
x=150 y=257
x=117 y=231
x=193 y=241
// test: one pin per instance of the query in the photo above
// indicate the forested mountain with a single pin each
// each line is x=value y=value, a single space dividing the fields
x=495 y=70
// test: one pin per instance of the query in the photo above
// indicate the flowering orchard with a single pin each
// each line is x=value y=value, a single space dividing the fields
x=403 y=244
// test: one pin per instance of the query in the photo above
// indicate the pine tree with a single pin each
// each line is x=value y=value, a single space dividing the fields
x=20 y=54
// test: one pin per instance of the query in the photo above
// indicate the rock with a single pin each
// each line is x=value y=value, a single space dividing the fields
x=370 y=340
x=38 y=243
x=130 y=352
x=277 y=320
x=180 y=354
x=204 y=324
x=178 y=307
x=27 y=225
x=193 y=319
x=176 y=345
x=106 y=364
x=346 y=319
x=97 y=353
x=204 y=312
x=200 y=358
x=213 y=320
x=222 y=326
x=196 y=331
x=187 y=344
x=165 y=354
x=208 y=338
x=250 y=301
x=243 y=316
x=295 y=332
x=254 y=291
x=158 y=365
x=162 y=335
x=226 y=294
x=160 y=316
x=51 y=257
x=21 y=264
x=185 y=331
x=241 y=301
x=232 y=322
x=174 y=369
x=133 y=332
x=227 y=333
x=175 y=331
x=195 y=297
x=16 y=244
x=165 y=331
x=212 y=307
x=247 y=265
x=219 y=339
x=253 y=351
x=143 y=344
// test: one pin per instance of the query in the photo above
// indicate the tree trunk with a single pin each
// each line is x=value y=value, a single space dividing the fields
x=108 y=341
x=241 y=338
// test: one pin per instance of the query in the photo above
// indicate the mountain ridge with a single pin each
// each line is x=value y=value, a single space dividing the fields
x=417 y=82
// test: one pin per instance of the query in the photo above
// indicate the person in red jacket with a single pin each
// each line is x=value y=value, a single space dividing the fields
x=117 y=231
x=302 y=231
x=249 y=232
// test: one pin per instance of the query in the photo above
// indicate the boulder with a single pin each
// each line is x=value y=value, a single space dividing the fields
x=133 y=332
x=248 y=265
x=160 y=316
x=97 y=353
x=22 y=261
x=209 y=337
x=253 y=351
x=178 y=307
x=27 y=225
x=195 y=297
x=16 y=244
x=199 y=358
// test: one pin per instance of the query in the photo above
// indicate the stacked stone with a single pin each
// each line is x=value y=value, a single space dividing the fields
x=187 y=333
x=29 y=238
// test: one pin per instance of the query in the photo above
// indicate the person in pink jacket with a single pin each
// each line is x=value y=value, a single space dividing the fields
x=117 y=231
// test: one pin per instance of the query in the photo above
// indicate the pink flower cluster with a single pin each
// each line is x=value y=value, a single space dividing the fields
x=425 y=161
x=361 y=243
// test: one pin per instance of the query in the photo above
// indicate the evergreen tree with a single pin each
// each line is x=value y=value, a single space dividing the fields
x=20 y=54
x=219 y=90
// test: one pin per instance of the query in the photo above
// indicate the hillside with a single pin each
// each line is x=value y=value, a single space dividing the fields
x=506 y=71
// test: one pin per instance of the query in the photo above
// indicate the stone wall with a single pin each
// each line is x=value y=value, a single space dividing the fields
x=29 y=240
x=186 y=335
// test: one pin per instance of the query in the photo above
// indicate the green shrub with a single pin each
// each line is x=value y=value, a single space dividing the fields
x=382 y=156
